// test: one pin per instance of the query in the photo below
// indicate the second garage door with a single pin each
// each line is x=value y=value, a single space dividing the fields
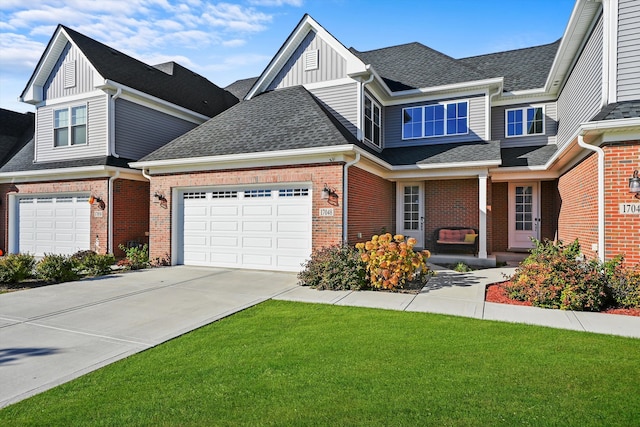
x=257 y=228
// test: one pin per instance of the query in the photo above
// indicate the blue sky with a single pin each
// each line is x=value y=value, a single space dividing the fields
x=230 y=40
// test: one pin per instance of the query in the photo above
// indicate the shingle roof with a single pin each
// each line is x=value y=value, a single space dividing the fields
x=527 y=156
x=16 y=129
x=477 y=151
x=280 y=120
x=522 y=68
x=619 y=110
x=414 y=65
x=240 y=88
x=183 y=87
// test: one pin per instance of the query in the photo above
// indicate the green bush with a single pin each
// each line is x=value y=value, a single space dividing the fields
x=137 y=257
x=94 y=264
x=461 y=267
x=337 y=267
x=57 y=268
x=624 y=286
x=15 y=268
x=556 y=276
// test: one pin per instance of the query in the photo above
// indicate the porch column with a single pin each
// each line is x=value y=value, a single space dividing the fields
x=482 y=204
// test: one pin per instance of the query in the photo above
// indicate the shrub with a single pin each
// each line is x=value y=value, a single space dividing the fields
x=461 y=267
x=94 y=264
x=57 y=268
x=15 y=268
x=391 y=261
x=555 y=276
x=624 y=286
x=137 y=257
x=337 y=267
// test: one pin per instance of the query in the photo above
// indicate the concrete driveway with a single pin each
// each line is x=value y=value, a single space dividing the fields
x=53 y=334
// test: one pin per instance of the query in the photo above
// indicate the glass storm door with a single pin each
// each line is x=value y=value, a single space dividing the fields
x=410 y=211
x=524 y=218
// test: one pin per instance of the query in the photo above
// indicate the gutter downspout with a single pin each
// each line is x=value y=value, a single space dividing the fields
x=345 y=197
x=112 y=123
x=600 y=151
x=361 y=86
x=110 y=219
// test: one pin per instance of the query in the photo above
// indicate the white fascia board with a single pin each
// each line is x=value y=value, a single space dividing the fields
x=516 y=98
x=307 y=24
x=617 y=125
x=420 y=174
x=72 y=98
x=329 y=83
x=476 y=86
x=70 y=174
x=487 y=163
x=523 y=174
x=153 y=102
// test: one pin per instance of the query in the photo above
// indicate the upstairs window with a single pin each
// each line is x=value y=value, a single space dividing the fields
x=525 y=121
x=372 y=122
x=70 y=126
x=434 y=120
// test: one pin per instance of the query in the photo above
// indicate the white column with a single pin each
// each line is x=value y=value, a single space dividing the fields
x=482 y=203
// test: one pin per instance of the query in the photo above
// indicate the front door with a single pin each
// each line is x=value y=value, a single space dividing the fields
x=524 y=217
x=410 y=212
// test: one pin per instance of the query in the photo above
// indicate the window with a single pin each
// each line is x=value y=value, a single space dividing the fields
x=372 y=122
x=70 y=126
x=435 y=120
x=525 y=121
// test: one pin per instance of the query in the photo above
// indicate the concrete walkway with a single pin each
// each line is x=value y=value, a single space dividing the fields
x=462 y=294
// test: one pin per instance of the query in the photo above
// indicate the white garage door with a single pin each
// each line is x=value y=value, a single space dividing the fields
x=53 y=225
x=265 y=228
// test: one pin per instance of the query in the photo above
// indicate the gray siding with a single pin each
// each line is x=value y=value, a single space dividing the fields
x=583 y=88
x=54 y=87
x=628 y=78
x=141 y=130
x=342 y=101
x=332 y=66
x=498 y=131
x=393 y=124
x=96 y=132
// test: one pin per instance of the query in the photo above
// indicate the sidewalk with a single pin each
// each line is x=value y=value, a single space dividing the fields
x=462 y=294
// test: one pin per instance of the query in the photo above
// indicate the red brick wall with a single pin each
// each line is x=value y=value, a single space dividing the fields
x=327 y=231
x=578 y=210
x=622 y=235
x=500 y=216
x=130 y=213
x=372 y=202
x=97 y=187
x=450 y=203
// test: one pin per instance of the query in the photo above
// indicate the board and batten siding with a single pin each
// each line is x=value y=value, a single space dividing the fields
x=628 y=78
x=498 y=119
x=342 y=102
x=393 y=124
x=82 y=75
x=96 y=132
x=331 y=65
x=141 y=130
x=583 y=88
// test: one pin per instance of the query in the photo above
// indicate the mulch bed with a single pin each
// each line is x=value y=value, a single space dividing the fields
x=496 y=293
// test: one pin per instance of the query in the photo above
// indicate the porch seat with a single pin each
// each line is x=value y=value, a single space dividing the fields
x=456 y=239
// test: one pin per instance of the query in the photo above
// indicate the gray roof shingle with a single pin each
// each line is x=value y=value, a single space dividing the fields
x=619 y=110
x=240 y=88
x=527 y=156
x=461 y=152
x=16 y=129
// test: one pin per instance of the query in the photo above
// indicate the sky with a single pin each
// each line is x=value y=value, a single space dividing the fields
x=225 y=41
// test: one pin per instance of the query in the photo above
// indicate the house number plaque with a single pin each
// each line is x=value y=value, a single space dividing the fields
x=326 y=211
x=630 y=208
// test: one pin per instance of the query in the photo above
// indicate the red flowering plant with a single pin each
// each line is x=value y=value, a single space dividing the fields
x=391 y=262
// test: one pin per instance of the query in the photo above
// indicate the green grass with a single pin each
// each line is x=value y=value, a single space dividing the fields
x=283 y=363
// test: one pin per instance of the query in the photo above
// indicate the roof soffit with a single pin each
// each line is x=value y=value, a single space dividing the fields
x=354 y=65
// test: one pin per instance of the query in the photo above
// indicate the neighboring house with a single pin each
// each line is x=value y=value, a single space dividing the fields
x=530 y=143
x=97 y=109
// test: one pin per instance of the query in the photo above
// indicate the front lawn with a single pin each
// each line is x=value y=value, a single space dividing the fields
x=284 y=363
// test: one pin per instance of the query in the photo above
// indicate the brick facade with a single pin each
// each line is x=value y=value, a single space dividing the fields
x=130 y=213
x=499 y=217
x=372 y=202
x=326 y=230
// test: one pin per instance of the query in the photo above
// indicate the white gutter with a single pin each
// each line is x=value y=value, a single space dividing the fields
x=345 y=198
x=489 y=104
x=110 y=218
x=360 y=106
x=146 y=175
x=601 y=240
x=111 y=150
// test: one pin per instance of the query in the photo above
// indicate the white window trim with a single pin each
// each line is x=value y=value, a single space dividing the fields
x=445 y=135
x=524 y=123
x=374 y=103
x=70 y=126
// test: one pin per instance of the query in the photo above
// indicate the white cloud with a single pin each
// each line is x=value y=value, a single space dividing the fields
x=18 y=51
x=296 y=3
x=234 y=43
x=235 y=17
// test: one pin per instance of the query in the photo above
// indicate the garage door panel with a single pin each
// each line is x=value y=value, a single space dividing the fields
x=292 y=243
x=224 y=226
x=260 y=226
x=257 y=260
x=227 y=259
x=257 y=210
x=257 y=242
x=196 y=211
x=224 y=211
x=293 y=226
x=289 y=262
x=224 y=241
x=293 y=210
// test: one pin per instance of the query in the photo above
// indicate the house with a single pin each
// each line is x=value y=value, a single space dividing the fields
x=70 y=187
x=331 y=144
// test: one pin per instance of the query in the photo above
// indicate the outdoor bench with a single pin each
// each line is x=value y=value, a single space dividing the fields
x=456 y=238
